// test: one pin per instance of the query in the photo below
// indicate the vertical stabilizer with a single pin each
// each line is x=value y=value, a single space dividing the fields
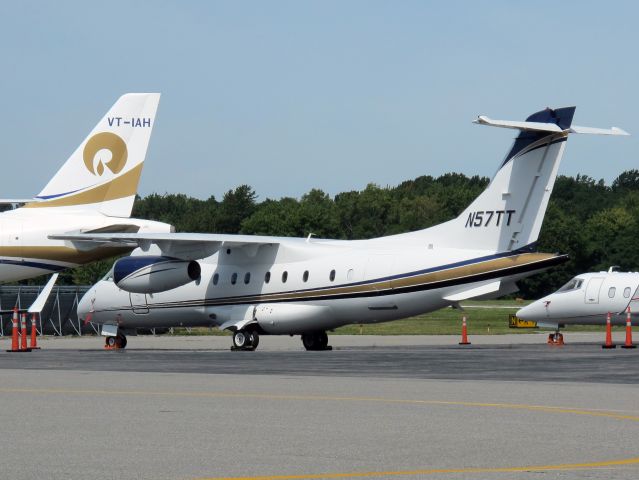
x=102 y=175
x=508 y=215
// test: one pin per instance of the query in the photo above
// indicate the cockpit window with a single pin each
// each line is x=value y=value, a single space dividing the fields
x=574 y=284
x=109 y=276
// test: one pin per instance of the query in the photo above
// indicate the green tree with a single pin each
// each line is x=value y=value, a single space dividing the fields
x=236 y=206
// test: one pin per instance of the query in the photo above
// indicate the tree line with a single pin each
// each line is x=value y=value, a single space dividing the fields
x=594 y=223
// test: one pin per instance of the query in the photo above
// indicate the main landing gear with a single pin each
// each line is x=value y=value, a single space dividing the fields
x=247 y=340
x=115 y=343
x=316 y=341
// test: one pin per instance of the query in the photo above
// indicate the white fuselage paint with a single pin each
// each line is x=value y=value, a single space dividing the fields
x=588 y=302
x=353 y=262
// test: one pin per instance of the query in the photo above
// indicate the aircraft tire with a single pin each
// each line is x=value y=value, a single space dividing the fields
x=111 y=342
x=122 y=340
x=322 y=338
x=310 y=341
x=254 y=339
x=240 y=339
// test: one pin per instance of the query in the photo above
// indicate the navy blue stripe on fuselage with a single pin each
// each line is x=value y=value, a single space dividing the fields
x=224 y=301
x=439 y=268
x=27 y=263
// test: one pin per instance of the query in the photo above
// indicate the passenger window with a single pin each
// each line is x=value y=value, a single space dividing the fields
x=216 y=278
x=305 y=276
x=267 y=277
x=611 y=292
x=247 y=278
x=350 y=274
x=626 y=292
x=332 y=276
x=234 y=278
x=284 y=277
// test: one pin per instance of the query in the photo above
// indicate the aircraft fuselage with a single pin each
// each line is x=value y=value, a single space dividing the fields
x=318 y=285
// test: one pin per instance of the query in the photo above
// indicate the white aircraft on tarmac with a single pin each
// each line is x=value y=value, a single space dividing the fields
x=92 y=192
x=586 y=300
x=256 y=285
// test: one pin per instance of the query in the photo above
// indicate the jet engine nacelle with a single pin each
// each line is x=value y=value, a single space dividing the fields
x=152 y=274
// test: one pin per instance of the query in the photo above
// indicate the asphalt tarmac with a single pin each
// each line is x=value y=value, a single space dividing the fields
x=385 y=410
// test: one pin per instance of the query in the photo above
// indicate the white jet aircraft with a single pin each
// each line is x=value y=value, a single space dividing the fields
x=256 y=285
x=92 y=192
x=586 y=300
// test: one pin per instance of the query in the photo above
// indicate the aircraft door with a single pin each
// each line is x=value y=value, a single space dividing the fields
x=592 y=290
x=380 y=266
x=634 y=301
x=138 y=303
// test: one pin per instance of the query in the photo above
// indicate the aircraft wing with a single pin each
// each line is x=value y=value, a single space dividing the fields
x=187 y=246
x=41 y=300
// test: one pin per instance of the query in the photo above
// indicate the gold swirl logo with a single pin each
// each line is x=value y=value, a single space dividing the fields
x=105 y=141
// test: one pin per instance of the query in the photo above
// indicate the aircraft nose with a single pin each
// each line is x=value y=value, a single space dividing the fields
x=85 y=305
x=536 y=311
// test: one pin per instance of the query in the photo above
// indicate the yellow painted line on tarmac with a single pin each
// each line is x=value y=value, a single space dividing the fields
x=266 y=396
x=433 y=471
x=262 y=396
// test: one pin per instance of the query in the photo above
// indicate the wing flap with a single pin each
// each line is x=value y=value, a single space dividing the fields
x=474 y=292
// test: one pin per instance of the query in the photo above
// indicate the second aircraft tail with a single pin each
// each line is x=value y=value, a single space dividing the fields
x=103 y=173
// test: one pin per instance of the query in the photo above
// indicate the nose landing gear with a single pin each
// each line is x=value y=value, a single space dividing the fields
x=117 y=342
x=556 y=338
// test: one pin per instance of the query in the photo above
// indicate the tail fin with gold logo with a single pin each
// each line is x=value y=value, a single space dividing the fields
x=102 y=175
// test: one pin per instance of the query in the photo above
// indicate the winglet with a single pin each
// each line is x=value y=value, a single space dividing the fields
x=38 y=305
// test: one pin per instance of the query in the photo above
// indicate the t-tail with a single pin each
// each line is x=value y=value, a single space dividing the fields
x=508 y=215
x=103 y=173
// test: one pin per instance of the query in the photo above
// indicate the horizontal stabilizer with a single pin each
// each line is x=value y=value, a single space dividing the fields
x=14 y=201
x=547 y=127
x=536 y=126
x=598 y=131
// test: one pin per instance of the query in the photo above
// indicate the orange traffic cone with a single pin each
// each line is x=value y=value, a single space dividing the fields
x=34 y=333
x=608 y=343
x=464 y=339
x=628 y=343
x=23 y=333
x=15 y=343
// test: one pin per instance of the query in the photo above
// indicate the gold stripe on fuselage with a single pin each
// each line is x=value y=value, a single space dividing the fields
x=120 y=187
x=62 y=254
x=407 y=281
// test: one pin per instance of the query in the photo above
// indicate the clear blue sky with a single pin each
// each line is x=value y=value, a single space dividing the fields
x=290 y=95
